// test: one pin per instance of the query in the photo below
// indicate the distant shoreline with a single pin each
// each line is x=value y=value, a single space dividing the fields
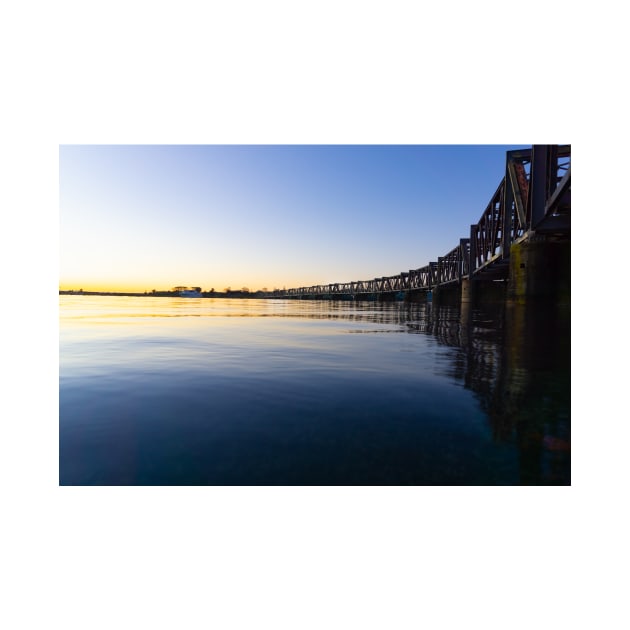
x=171 y=294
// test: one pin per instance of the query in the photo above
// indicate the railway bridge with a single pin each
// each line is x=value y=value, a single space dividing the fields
x=520 y=246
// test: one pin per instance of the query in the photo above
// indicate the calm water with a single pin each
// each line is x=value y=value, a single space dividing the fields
x=226 y=392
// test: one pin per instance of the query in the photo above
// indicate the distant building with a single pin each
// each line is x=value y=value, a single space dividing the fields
x=187 y=291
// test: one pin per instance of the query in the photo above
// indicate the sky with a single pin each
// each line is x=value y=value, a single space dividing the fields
x=144 y=217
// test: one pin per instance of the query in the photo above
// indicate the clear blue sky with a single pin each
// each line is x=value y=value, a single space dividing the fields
x=152 y=217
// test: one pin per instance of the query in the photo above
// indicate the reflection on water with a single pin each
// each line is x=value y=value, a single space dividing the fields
x=218 y=391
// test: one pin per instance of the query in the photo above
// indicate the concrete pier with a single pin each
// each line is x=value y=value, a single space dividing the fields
x=540 y=267
x=466 y=289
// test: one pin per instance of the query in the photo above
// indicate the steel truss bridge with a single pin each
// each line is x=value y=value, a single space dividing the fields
x=533 y=199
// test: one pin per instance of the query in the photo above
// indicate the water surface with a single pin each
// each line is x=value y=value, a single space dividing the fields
x=282 y=392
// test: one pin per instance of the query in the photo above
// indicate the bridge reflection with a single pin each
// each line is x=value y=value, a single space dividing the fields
x=514 y=357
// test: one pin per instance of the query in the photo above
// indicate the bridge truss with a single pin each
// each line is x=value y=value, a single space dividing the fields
x=533 y=198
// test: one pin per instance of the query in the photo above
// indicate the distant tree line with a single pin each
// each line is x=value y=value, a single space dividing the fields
x=244 y=292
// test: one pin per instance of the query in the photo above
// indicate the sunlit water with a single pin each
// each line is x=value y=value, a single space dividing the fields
x=248 y=392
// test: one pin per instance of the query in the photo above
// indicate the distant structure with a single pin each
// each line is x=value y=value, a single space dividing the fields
x=187 y=291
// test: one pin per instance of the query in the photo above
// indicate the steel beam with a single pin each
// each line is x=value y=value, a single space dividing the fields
x=539 y=184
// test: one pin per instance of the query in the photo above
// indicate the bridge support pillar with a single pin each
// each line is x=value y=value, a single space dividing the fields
x=540 y=267
x=466 y=288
